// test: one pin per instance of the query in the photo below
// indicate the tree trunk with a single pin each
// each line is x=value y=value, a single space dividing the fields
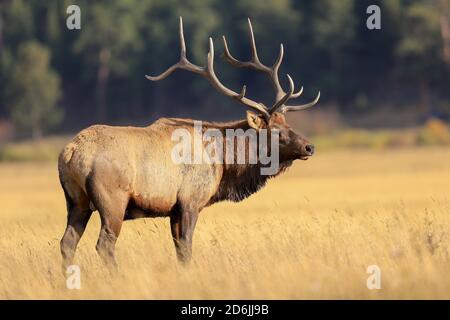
x=102 y=83
x=425 y=98
x=36 y=128
x=445 y=30
x=1 y=35
x=36 y=133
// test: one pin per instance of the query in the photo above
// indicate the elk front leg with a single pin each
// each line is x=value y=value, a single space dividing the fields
x=182 y=224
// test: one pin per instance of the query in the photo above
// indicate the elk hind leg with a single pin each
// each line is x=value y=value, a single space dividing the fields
x=78 y=214
x=111 y=208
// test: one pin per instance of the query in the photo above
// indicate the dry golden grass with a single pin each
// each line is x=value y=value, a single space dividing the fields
x=309 y=234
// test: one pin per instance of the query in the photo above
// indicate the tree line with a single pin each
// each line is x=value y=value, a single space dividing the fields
x=53 y=79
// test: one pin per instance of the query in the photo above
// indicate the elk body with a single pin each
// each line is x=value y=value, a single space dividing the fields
x=128 y=172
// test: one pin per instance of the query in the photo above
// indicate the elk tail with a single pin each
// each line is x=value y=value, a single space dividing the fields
x=67 y=153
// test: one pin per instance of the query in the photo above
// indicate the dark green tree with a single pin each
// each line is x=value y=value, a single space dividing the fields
x=422 y=48
x=33 y=91
x=109 y=42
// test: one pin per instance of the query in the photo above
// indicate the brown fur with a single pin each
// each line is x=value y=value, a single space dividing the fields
x=127 y=173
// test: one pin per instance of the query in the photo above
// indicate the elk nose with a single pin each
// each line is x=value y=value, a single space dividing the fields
x=309 y=148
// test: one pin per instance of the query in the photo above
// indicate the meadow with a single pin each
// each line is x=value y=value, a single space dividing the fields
x=309 y=234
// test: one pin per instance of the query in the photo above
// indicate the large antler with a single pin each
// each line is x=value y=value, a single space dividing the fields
x=209 y=74
x=281 y=96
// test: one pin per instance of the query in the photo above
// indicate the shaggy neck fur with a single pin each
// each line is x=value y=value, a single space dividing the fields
x=239 y=181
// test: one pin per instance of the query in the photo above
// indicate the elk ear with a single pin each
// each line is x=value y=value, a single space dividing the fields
x=254 y=121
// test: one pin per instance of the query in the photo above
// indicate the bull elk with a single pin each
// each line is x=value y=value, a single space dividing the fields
x=127 y=172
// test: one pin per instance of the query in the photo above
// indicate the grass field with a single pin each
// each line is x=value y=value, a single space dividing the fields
x=311 y=233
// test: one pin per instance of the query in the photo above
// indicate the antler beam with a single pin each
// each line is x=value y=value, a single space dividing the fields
x=281 y=97
x=209 y=74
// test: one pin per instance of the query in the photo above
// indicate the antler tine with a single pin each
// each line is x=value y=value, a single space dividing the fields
x=209 y=74
x=182 y=64
x=284 y=109
x=243 y=91
x=255 y=63
x=255 y=58
x=279 y=60
x=285 y=98
x=272 y=72
x=219 y=86
x=298 y=94
x=231 y=60
x=182 y=43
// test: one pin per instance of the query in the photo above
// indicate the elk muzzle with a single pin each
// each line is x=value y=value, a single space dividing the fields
x=306 y=149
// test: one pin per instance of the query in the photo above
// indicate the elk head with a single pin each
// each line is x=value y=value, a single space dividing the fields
x=292 y=145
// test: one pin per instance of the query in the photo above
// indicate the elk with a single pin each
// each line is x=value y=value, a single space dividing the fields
x=127 y=172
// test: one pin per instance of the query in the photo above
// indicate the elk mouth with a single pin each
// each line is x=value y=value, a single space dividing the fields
x=301 y=156
x=304 y=155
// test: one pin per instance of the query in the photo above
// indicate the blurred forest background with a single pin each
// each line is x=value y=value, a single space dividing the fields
x=55 y=81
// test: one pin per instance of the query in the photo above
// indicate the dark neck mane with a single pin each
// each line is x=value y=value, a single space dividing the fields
x=240 y=181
